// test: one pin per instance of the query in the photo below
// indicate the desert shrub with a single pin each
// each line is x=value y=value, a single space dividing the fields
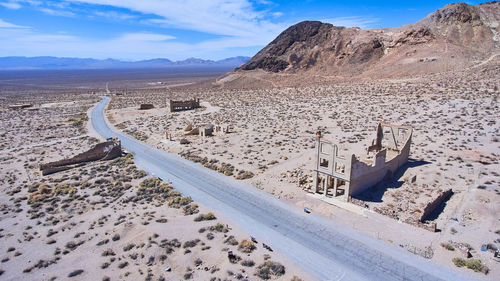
x=448 y=246
x=459 y=262
x=243 y=175
x=231 y=241
x=205 y=217
x=190 y=243
x=295 y=278
x=108 y=252
x=116 y=237
x=73 y=245
x=468 y=246
x=474 y=264
x=75 y=273
x=128 y=247
x=246 y=246
x=270 y=269
x=198 y=262
x=123 y=264
x=210 y=236
x=102 y=242
x=219 y=228
x=248 y=263
x=190 y=209
x=140 y=174
x=178 y=201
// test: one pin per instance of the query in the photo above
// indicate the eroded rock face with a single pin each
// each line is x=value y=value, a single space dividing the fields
x=326 y=49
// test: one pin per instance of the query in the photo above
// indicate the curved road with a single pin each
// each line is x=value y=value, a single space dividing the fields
x=323 y=248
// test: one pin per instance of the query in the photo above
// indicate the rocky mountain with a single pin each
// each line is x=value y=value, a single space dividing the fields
x=458 y=35
x=56 y=63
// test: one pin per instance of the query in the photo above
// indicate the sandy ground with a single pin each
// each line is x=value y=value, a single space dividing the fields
x=93 y=222
x=455 y=145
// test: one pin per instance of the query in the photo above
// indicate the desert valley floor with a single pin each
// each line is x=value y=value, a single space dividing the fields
x=109 y=220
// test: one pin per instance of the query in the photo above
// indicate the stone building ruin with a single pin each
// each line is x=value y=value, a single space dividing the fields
x=146 y=106
x=174 y=106
x=102 y=151
x=342 y=177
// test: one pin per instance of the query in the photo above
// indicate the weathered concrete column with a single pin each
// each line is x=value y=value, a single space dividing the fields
x=315 y=182
x=334 y=187
x=325 y=190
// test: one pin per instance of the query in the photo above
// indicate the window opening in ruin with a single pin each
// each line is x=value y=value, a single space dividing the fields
x=323 y=163
x=326 y=149
x=339 y=168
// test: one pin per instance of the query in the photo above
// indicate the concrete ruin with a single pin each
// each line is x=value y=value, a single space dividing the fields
x=206 y=130
x=222 y=129
x=174 y=106
x=19 y=106
x=338 y=177
x=146 y=106
x=102 y=151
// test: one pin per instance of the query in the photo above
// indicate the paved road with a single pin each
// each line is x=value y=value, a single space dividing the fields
x=323 y=248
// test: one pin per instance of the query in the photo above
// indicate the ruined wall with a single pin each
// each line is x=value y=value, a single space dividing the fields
x=101 y=151
x=183 y=105
x=146 y=106
x=364 y=176
x=434 y=204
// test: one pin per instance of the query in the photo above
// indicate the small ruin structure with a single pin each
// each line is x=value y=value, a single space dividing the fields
x=19 y=106
x=206 y=130
x=146 y=106
x=223 y=129
x=174 y=106
x=342 y=177
x=102 y=151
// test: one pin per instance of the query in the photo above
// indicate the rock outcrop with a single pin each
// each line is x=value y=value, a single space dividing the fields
x=453 y=37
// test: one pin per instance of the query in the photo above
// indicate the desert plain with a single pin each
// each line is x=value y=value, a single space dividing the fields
x=110 y=220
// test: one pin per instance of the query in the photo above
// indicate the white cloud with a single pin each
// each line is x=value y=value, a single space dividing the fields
x=354 y=21
x=146 y=37
x=277 y=14
x=4 y=24
x=11 y=5
x=60 y=13
x=114 y=15
x=236 y=18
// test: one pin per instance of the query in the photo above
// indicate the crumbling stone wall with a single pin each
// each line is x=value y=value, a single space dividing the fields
x=344 y=177
x=146 y=106
x=435 y=203
x=183 y=105
x=101 y=151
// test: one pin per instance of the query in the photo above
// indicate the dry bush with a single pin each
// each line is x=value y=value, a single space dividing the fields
x=246 y=246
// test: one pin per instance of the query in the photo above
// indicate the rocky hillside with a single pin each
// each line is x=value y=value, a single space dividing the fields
x=456 y=36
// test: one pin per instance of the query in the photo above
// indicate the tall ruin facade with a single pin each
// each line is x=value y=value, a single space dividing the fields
x=174 y=106
x=343 y=177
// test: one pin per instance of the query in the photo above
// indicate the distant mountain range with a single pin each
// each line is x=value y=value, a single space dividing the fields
x=56 y=63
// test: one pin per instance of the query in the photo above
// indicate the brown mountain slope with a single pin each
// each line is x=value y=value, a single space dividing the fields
x=456 y=36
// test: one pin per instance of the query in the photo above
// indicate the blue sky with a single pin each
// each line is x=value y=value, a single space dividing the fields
x=179 y=29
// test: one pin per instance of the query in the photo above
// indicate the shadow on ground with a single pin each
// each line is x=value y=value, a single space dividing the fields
x=375 y=193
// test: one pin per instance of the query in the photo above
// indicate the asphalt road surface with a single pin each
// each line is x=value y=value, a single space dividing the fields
x=319 y=245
